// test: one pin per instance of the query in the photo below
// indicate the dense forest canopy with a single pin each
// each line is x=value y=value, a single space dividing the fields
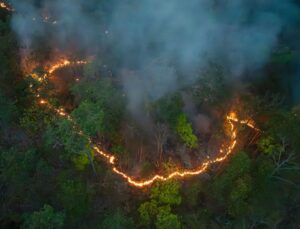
x=150 y=114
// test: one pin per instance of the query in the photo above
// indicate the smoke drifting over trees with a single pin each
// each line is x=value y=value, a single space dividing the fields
x=167 y=43
x=149 y=114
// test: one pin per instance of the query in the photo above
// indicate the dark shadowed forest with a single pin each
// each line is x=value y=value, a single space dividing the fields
x=159 y=114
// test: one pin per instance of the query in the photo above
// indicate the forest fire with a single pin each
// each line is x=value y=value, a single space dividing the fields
x=225 y=151
x=3 y=5
x=123 y=114
x=65 y=63
x=248 y=122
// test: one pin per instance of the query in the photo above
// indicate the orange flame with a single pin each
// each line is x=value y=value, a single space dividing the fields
x=3 y=5
x=65 y=63
x=224 y=153
x=248 y=122
x=181 y=174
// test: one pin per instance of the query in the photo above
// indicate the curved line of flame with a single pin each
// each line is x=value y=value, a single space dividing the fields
x=224 y=152
x=112 y=160
x=65 y=63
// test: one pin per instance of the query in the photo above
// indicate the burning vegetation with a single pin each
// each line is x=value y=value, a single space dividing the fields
x=224 y=152
x=130 y=115
x=5 y=6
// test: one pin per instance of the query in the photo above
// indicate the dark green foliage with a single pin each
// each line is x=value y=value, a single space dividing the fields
x=238 y=196
x=44 y=180
x=76 y=147
x=90 y=117
x=107 y=102
x=35 y=119
x=26 y=180
x=211 y=89
x=117 y=220
x=157 y=211
x=168 y=109
x=239 y=166
x=73 y=195
x=283 y=55
x=17 y=169
x=166 y=193
x=45 y=218
x=286 y=124
x=268 y=145
x=148 y=211
x=9 y=58
x=191 y=196
x=7 y=110
x=166 y=220
x=185 y=132
x=195 y=221
x=119 y=150
x=234 y=185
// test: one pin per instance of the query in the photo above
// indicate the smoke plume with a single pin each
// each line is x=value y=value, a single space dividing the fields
x=160 y=46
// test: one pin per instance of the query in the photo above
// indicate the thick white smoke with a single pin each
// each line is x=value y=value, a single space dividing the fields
x=165 y=43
